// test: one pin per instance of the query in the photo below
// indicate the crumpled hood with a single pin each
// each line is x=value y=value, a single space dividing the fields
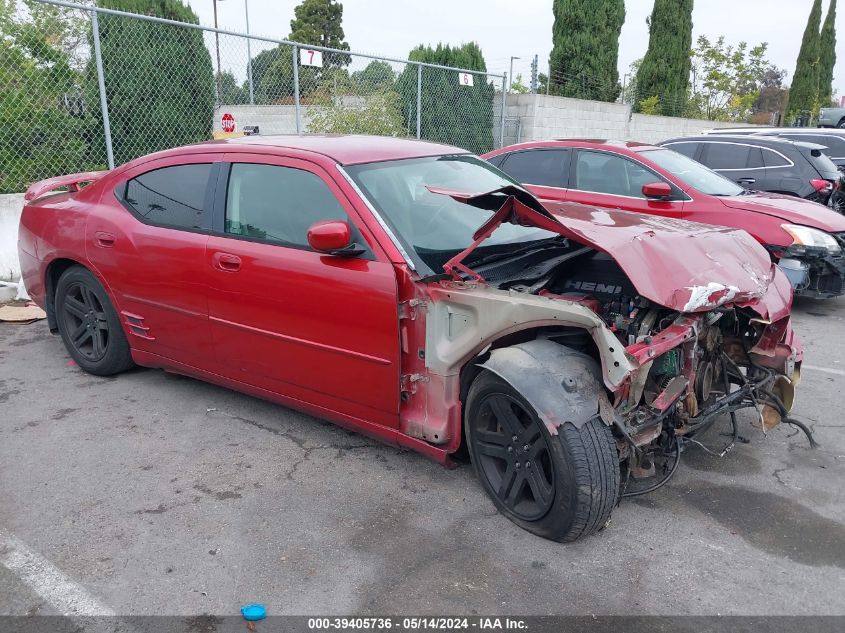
x=685 y=266
x=789 y=209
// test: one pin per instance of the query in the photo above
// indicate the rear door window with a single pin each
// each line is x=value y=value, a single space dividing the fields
x=772 y=158
x=545 y=167
x=171 y=196
x=726 y=156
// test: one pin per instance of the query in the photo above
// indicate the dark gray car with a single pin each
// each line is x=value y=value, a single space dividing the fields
x=769 y=163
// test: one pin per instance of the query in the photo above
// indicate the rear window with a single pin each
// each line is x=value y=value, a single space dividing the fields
x=171 y=196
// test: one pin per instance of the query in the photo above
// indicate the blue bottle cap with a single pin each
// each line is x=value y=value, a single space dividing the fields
x=253 y=612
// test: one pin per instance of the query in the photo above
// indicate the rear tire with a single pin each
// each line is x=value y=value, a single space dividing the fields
x=561 y=487
x=841 y=123
x=89 y=325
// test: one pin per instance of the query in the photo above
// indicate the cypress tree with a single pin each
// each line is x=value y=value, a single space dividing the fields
x=585 y=38
x=827 y=56
x=159 y=79
x=451 y=113
x=665 y=69
x=804 y=93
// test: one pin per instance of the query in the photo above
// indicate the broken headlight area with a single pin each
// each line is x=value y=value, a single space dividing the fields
x=814 y=271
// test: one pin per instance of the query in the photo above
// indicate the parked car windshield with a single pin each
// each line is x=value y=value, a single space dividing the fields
x=434 y=225
x=693 y=173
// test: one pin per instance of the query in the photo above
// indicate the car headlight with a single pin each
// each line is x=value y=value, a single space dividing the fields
x=806 y=236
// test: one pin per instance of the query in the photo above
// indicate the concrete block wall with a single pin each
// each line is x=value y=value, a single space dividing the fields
x=11 y=206
x=543 y=117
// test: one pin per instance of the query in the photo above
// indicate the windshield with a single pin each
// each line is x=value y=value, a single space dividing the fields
x=434 y=226
x=703 y=179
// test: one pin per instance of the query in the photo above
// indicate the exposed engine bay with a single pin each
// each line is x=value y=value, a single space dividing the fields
x=694 y=368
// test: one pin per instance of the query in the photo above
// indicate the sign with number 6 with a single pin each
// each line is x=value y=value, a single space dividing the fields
x=465 y=79
x=308 y=57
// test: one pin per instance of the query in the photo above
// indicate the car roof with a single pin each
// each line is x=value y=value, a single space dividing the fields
x=345 y=149
x=768 y=131
x=595 y=143
x=746 y=139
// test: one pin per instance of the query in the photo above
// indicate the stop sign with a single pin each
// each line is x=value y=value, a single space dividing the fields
x=228 y=122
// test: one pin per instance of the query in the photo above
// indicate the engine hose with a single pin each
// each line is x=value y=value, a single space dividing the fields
x=662 y=482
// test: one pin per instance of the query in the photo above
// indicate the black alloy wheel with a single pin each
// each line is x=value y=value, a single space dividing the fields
x=514 y=455
x=88 y=325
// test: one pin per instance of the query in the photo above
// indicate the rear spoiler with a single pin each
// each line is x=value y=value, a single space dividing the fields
x=71 y=182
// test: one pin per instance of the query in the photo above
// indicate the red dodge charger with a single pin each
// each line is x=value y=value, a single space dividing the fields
x=415 y=293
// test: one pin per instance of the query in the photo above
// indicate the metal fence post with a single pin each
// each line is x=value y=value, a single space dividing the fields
x=295 y=50
x=419 y=98
x=249 y=55
x=504 y=105
x=101 y=82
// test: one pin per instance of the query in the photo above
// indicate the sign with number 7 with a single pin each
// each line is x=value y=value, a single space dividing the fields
x=309 y=57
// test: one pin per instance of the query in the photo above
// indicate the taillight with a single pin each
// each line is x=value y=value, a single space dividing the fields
x=822 y=186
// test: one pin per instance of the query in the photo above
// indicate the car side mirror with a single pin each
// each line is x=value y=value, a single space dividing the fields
x=332 y=237
x=657 y=190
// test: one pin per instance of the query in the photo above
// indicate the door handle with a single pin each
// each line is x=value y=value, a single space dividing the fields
x=103 y=239
x=746 y=181
x=226 y=262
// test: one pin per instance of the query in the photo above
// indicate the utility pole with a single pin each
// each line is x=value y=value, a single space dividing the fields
x=534 y=79
x=510 y=81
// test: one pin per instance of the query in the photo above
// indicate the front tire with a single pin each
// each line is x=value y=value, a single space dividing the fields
x=89 y=325
x=560 y=487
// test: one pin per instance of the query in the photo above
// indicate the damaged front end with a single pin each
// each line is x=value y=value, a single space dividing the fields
x=816 y=272
x=648 y=324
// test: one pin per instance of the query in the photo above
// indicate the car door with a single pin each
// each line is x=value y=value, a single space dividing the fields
x=543 y=171
x=151 y=252
x=315 y=328
x=606 y=179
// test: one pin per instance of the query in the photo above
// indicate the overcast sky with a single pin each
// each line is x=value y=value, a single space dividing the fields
x=524 y=27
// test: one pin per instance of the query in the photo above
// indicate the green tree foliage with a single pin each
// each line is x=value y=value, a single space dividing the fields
x=827 y=56
x=316 y=22
x=319 y=22
x=376 y=77
x=665 y=69
x=804 y=93
x=159 y=79
x=230 y=92
x=451 y=113
x=585 y=39
x=377 y=113
x=42 y=114
x=728 y=79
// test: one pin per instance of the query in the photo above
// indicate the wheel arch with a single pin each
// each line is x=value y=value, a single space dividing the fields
x=55 y=269
x=563 y=385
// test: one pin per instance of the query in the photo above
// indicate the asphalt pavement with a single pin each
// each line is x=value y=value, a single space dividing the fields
x=150 y=493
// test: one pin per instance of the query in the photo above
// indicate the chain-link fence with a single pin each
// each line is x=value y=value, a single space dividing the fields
x=84 y=88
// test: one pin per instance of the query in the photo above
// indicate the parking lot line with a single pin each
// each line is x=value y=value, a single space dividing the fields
x=837 y=372
x=46 y=580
